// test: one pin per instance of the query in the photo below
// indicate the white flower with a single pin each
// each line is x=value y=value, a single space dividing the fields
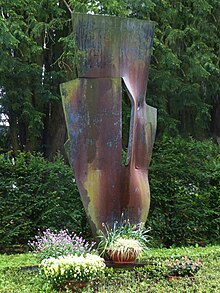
x=73 y=267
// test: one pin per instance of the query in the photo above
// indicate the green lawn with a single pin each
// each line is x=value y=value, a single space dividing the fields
x=15 y=279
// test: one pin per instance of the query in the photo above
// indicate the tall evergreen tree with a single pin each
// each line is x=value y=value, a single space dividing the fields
x=29 y=73
x=37 y=53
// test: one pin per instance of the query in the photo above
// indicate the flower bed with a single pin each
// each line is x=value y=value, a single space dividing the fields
x=72 y=268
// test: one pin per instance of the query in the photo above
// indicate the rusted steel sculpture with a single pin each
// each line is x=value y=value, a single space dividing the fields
x=114 y=53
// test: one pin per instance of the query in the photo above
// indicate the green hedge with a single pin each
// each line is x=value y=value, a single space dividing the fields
x=35 y=193
x=185 y=192
x=185 y=195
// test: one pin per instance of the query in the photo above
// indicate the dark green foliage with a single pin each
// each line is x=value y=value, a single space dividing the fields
x=185 y=195
x=37 y=52
x=35 y=193
x=30 y=52
x=185 y=191
x=184 y=71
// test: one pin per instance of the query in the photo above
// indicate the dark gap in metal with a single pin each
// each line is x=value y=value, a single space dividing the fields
x=126 y=117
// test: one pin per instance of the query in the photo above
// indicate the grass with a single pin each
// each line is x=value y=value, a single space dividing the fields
x=151 y=278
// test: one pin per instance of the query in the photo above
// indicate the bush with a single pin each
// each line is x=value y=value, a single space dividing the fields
x=37 y=194
x=64 y=269
x=185 y=191
x=185 y=195
x=54 y=244
x=183 y=266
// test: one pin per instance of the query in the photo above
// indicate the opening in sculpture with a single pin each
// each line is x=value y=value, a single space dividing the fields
x=115 y=55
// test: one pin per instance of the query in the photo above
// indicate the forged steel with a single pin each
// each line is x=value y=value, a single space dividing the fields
x=114 y=53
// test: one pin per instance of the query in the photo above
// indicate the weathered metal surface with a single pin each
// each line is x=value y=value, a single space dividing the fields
x=114 y=53
x=93 y=115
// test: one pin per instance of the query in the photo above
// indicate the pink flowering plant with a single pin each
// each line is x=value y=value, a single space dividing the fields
x=183 y=266
x=54 y=244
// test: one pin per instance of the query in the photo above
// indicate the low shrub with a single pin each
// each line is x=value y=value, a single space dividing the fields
x=37 y=194
x=64 y=269
x=54 y=244
x=185 y=198
x=182 y=266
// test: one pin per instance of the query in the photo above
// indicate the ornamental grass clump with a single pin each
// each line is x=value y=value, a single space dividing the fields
x=183 y=266
x=72 y=268
x=124 y=250
x=54 y=244
x=124 y=241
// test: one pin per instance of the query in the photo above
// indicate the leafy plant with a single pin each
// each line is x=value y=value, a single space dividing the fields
x=123 y=238
x=185 y=200
x=183 y=266
x=37 y=194
x=54 y=244
x=124 y=250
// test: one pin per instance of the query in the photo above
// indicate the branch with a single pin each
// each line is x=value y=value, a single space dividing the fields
x=68 y=7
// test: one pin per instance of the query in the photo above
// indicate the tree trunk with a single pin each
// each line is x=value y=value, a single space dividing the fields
x=215 y=123
x=57 y=134
x=14 y=134
x=56 y=128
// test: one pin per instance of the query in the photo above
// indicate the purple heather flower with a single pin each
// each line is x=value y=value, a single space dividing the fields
x=52 y=243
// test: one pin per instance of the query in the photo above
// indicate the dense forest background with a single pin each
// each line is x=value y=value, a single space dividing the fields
x=37 y=53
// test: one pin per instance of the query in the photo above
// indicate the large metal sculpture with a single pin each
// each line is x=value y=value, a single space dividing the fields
x=114 y=54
